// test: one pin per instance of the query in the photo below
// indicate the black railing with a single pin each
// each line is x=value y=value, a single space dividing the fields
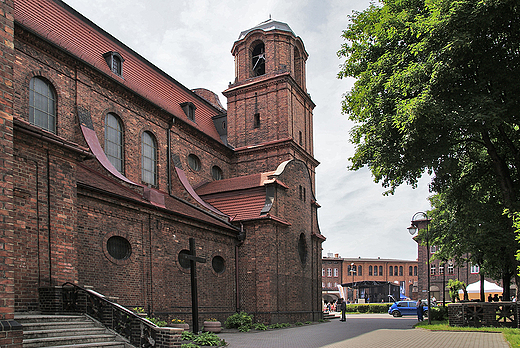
x=138 y=331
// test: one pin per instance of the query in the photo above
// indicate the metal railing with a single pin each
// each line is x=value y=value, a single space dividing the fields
x=137 y=330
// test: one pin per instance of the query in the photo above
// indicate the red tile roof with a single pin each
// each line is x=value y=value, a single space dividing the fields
x=63 y=26
x=242 y=198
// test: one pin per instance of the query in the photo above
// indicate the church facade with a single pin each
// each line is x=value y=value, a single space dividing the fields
x=111 y=166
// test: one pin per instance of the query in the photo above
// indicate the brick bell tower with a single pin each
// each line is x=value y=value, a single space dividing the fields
x=269 y=112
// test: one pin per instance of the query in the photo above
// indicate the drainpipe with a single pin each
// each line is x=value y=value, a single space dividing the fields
x=169 y=162
x=49 y=215
x=241 y=238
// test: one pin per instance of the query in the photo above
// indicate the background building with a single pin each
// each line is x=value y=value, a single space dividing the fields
x=367 y=279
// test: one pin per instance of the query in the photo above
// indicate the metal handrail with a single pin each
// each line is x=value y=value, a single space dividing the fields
x=137 y=330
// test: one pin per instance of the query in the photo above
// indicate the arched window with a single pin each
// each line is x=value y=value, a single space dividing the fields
x=42 y=104
x=369 y=270
x=395 y=271
x=410 y=271
x=380 y=270
x=302 y=248
x=375 y=270
x=149 y=159
x=114 y=141
x=401 y=270
x=414 y=270
x=258 y=59
x=360 y=270
x=216 y=173
x=390 y=271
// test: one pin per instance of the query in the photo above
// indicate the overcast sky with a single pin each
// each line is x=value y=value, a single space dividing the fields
x=191 y=41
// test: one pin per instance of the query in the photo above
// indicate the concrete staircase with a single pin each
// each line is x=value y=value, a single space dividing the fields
x=330 y=315
x=64 y=331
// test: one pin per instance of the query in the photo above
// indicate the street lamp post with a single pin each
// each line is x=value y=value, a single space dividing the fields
x=352 y=271
x=420 y=221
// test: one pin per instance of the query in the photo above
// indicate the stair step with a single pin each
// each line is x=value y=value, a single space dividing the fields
x=74 y=340
x=59 y=332
x=58 y=325
x=91 y=345
x=64 y=331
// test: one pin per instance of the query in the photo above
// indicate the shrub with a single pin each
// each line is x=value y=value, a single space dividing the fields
x=439 y=313
x=260 y=326
x=308 y=322
x=188 y=336
x=157 y=322
x=298 y=323
x=244 y=328
x=208 y=339
x=189 y=345
x=238 y=320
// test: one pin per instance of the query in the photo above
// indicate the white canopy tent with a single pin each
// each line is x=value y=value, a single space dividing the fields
x=474 y=290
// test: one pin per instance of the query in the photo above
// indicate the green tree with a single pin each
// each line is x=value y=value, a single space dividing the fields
x=437 y=90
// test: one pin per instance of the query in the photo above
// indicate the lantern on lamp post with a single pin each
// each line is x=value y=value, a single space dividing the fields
x=421 y=221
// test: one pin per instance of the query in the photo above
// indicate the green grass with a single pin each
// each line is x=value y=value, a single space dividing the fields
x=511 y=335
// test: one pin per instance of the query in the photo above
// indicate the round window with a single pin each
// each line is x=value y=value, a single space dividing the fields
x=302 y=248
x=185 y=263
x=119 y=248
x=194 y=162
x=218 y=264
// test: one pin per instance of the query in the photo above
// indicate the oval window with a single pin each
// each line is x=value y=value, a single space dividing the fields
x=216 y=173
x=218 y=264
x=119 y=248
x=185 y=263
x=194 y=162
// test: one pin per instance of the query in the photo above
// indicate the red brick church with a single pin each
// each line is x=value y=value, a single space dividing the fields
x=109 y=166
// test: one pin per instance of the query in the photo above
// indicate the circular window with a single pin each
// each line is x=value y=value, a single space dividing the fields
x=182 y=261
x=218 y=264
x=302 y=248
x=194 y=162
x=216 y=172
x=119 y=248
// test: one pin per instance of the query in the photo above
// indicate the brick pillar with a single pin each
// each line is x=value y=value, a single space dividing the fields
x=10 y=331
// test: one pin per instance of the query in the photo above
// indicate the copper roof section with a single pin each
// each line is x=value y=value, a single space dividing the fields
x=61 y=25
x=94 y=179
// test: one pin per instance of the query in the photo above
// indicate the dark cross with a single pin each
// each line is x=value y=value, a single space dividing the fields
x=193 y=269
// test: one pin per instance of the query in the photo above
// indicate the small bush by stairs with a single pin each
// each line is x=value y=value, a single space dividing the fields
x=64 y=331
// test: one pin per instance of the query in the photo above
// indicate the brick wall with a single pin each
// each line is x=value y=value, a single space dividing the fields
x=10 y=331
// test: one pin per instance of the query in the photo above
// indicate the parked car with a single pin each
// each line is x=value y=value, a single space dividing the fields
x=401 y=308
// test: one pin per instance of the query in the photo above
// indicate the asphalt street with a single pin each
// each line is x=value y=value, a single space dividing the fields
x=363 y=331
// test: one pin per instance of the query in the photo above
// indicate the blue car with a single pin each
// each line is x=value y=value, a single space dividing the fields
x=406 y=308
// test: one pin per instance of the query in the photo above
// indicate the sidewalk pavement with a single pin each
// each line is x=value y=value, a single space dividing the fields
x=363 y=331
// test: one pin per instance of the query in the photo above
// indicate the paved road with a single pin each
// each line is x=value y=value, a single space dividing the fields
x=363 y=331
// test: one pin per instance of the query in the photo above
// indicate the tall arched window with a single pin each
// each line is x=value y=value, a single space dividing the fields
x=375 y=270
x=369 y=270
x=149 y=159
x=401 y=270
x=42 y=104
x=114 y=141
x=258 y=59
x=380 y=270
x=390 y=271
